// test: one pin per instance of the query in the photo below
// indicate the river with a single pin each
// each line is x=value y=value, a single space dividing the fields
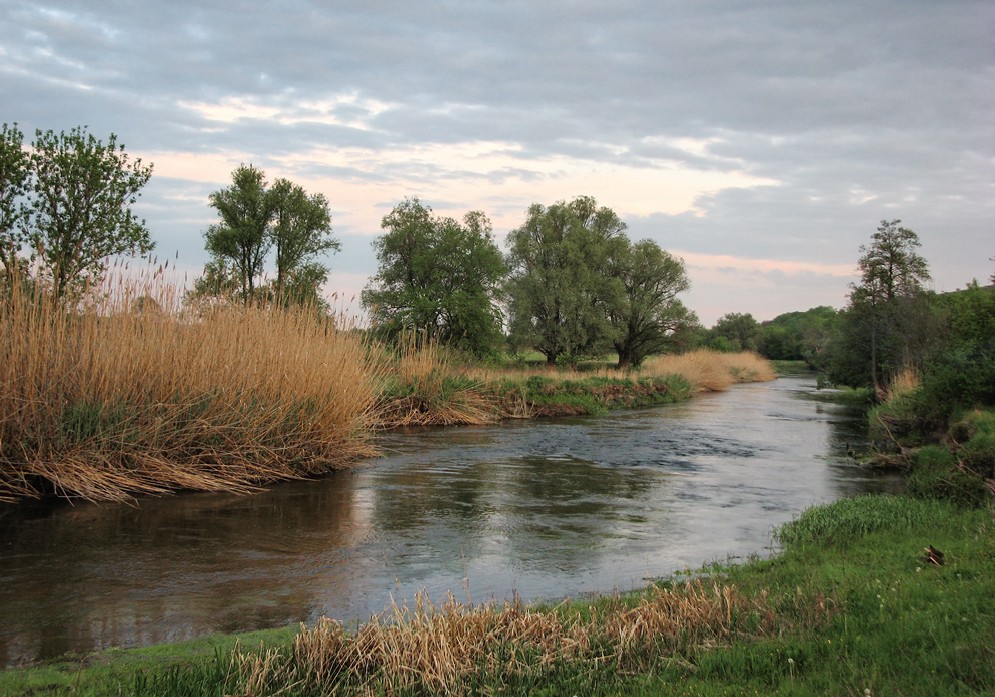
x=543 y=509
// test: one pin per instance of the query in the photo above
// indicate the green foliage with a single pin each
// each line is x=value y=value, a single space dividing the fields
x=559 y=290
x=256 y=218
x=888 y=324
x=735 y=332
x=437 y=275
x=15 y=176
x=647 y=317
x=67 y=205
x=799 y=336
x=935 y=475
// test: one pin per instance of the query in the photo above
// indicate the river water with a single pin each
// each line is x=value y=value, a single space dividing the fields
x=543 y=509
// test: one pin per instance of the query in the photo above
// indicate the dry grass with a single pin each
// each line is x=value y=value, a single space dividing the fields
x=440 y=649
x=105 y=403
x=426 y=384
x=903 y=383
x=712 y=371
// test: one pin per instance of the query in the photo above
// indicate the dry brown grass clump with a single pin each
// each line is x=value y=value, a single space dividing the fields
x=426 y=384
x=903 y=383
x=106 y=402
x=445 y=649
x=712 y=371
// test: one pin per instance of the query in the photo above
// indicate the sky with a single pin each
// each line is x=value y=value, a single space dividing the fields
x=762 y=142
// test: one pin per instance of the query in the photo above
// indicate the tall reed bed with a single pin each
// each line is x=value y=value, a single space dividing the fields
x=124 y=397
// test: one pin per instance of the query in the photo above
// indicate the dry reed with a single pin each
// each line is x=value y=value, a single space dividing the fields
x=444 y=649
x=429 y=385
x=712 y=371
x=126 y=398
x=902 y=383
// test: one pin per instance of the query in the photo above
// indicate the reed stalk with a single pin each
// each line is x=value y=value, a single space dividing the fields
x=117 y=398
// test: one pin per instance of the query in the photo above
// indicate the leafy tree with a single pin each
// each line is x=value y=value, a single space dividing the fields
x=241 y=237
x=80 y=207
x=300 y=232
x=796 y=336
x=15 y=177
x=439 y=275
x=735 y=332
x=888 y=317
x=255 y=219
x=558 y=288
x=647 y=316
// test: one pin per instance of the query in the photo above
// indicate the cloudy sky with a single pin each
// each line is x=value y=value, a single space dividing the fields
x=763 y=142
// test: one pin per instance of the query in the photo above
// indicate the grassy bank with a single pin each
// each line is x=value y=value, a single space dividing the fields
x=430 y=386
x=851 y=606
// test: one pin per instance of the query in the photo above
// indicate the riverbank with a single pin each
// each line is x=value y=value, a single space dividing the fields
x=118 y=400
x=853 y=604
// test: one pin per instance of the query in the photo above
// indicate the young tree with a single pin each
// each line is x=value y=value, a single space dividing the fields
x=438 y=275
x=241 y=239
x=647 y=317
x=80 y=210
x=255 y=219
x=301 y=230
x=15 y=177
x=559 y=291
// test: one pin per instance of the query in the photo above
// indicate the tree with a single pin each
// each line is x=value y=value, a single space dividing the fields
x=300 y=232
x=15 y=177
x=80 y=207
x=735 y=332
x=438 y=275
x=240 y=238
x=796 y=336
x=255 y=219
x=892 y=277
x=647 y=317
x=558 y=288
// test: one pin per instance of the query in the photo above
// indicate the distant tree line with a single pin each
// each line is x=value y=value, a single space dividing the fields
x=572 y=284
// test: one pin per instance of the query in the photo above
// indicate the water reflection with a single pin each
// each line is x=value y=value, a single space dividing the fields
x=544 y=509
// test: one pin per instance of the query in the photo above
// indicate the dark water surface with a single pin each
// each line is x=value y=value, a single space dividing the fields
x=544 y=509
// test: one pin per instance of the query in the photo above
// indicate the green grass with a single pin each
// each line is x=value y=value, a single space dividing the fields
x=856 y=609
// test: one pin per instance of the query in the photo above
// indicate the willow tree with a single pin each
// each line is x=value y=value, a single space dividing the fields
x=647 y=316
x=437 y=275
x=255 y=219
x=559 y=292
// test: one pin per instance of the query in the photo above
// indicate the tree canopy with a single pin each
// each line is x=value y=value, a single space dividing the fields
x=255 y=219
x=886 y=324
x=66 y=205
x=647 y=317
x=558 y=286
x=438 y=275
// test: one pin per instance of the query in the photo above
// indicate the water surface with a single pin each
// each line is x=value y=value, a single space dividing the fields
x=544 y=509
